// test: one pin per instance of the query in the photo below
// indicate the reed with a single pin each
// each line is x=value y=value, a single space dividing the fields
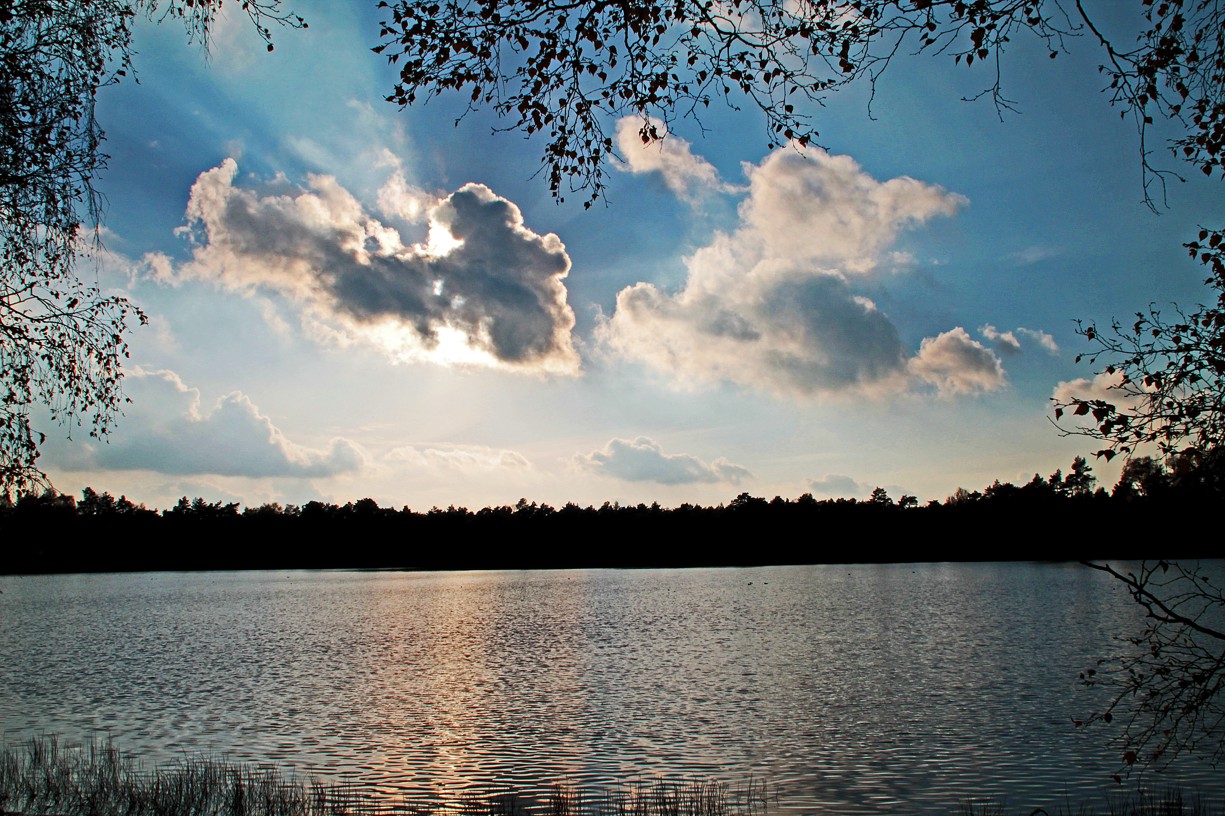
x=42 y=778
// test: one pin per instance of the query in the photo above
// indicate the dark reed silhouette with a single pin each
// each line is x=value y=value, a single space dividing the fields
x=43 y=777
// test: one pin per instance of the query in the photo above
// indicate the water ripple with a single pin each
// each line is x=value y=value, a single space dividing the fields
x=852 y=689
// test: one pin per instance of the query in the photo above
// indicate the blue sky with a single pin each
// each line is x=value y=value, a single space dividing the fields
x=348 y=300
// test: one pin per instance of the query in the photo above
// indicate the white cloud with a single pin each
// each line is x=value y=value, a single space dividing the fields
x=163 y=337
x=399 y=199
x=169 y=430
x=1033 y=254
x=956 y=363
x=825 y=210
x=1102 y=386
x=157 y=267
x=457 y=458
x=773 y=305
x=483 y=290
x=1041 y=338
x=689 y=176
x=644 y=460
x=835 y=485
x=1006 y=342
x=803 y=335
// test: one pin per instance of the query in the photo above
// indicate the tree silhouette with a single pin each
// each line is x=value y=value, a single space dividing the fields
x=61 y=338
x=1080 y=479
x=563 y=69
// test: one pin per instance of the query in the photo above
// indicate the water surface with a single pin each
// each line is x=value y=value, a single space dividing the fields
x=853 y=689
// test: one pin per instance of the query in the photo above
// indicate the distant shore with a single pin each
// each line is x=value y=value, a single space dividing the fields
x=56 y=534
x=771 y=533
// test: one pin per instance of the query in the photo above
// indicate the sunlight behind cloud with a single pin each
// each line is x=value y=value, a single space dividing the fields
x=484 y=289
x=441 y=242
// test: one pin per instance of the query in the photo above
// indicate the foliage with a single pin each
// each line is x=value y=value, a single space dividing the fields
x=1176 y=71
x=562 y=69
x=1168 y=387
x=1165 y=378
x=61 y=337
x=1169 y=693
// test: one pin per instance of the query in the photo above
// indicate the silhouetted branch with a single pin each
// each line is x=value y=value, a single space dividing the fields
x=1168 y=691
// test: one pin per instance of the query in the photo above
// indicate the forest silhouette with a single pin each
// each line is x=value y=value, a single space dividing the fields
x=1060 y=517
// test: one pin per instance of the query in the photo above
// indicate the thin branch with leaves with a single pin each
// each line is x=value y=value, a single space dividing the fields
x=1167 y=690
x=1167 y=371
x=61 y=338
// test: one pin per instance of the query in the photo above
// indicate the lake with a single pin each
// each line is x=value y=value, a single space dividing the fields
x=851 y=689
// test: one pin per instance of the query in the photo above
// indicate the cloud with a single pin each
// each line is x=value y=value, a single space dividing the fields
x=459 y=459
x=774 y=304
x=824 y=209
x=1041 y=338
x=1102 y=386
x=157 y=267
x=1008 y=343
x=689 y=176
x=833 y=484
x=399 y=199
x=643 y=460
x=1033 y=254
x=484 y=289
x=162 y=336
x=800 y=335
x=168 y=430
x=956 y=363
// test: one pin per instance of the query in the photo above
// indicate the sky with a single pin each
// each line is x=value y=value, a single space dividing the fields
x=347 y=299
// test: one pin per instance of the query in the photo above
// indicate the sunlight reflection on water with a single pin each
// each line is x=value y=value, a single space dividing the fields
x=851 y=689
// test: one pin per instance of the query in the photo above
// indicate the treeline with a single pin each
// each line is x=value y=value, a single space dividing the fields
x=1061 y=517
